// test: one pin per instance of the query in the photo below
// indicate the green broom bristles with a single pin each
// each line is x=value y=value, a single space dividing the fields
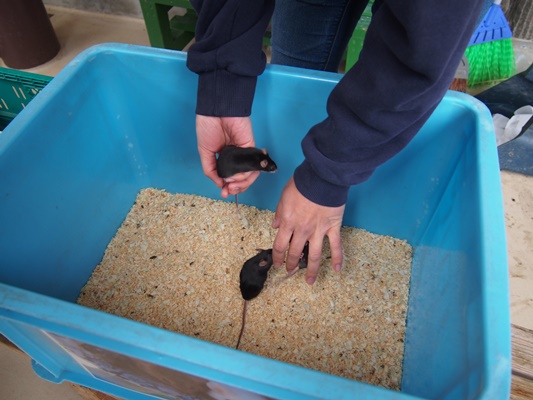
x=490 y=62
x=490 y=50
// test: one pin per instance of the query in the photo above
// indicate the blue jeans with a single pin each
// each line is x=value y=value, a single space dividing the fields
x=313 y=33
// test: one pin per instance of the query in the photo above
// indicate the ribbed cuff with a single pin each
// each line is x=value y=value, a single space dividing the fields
x=223 y=94
x=318 y=190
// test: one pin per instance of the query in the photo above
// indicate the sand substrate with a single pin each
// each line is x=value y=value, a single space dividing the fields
x=175 y=262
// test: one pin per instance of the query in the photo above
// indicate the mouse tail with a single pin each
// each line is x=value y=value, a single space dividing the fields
x=242 y=324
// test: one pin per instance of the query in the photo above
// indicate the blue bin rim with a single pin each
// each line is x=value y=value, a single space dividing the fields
x=496 y=324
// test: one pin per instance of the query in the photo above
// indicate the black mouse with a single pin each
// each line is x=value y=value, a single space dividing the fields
x=302 y=263
x=304 y=258
x=234 y=160
x=254 y=274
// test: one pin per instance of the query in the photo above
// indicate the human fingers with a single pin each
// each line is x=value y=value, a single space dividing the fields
x=239 y=186
x=238 y=177
x=279 y=247
x=210 y=139
x=334 y=238
x=294 y=253
x=284 y=222
x=298 y=216
x=234 y=188
x=225 y=192
x=209 y=166
x=314 y=259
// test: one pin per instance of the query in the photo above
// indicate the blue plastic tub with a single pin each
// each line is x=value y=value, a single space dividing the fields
x=120 y=118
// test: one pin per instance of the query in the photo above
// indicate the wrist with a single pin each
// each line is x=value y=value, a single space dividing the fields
x=318 y=190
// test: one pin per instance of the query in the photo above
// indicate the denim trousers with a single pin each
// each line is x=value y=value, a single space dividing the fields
x=314 y=33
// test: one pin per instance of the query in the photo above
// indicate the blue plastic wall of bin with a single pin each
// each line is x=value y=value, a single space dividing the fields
x=120 y=118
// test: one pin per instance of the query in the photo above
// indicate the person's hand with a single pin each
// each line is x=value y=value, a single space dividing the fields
x=213 y=133
x=303 y=220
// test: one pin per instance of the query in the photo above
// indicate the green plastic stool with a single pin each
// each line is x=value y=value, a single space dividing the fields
x=177 y=32
x=174 y=33
x=356 y=41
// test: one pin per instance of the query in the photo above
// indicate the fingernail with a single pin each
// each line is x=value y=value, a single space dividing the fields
x=310 y=280
x=292 y=271
x=337 y=267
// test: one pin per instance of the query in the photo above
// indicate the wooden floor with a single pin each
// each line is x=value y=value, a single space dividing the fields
x=522 y=368
x=522 y=383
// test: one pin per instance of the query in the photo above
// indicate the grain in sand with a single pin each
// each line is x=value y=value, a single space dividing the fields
x=175 y=261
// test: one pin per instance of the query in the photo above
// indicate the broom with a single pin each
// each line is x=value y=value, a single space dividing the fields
x=490 y=52
x=459 y=82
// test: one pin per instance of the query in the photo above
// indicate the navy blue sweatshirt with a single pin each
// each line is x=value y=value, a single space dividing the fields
x=411 y=51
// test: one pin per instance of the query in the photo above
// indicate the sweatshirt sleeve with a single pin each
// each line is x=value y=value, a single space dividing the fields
x=410 y=54
x=227 y=54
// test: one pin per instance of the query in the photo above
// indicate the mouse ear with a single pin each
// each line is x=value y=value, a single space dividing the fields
x=263 y=163
x=263 y=262
x=265 y=152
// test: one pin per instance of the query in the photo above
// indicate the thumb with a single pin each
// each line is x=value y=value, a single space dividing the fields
x=209 y=166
